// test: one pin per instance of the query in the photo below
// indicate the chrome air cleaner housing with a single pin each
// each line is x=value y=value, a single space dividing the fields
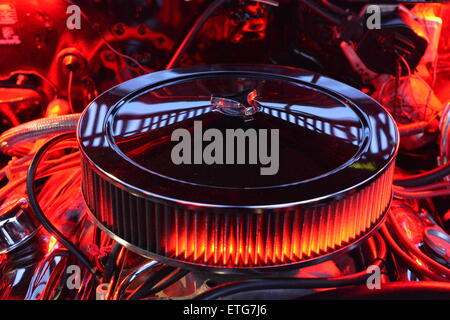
x=330 y=188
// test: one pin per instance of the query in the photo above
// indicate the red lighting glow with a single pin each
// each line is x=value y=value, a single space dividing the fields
x=249 y=240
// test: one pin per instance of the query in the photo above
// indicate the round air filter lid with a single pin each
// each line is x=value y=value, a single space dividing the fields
x=331 y=137
x=237 y=166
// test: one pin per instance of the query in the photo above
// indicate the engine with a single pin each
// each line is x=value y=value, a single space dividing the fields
x=224 y=149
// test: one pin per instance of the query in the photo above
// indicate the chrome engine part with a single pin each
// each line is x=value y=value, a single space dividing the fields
x=224 y=149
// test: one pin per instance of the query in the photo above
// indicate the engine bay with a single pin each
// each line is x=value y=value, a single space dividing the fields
x=224 y=149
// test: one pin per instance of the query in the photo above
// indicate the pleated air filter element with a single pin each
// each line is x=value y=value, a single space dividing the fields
x=237 y=167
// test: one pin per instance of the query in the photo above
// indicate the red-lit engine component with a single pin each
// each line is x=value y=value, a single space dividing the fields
x=332 y=184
